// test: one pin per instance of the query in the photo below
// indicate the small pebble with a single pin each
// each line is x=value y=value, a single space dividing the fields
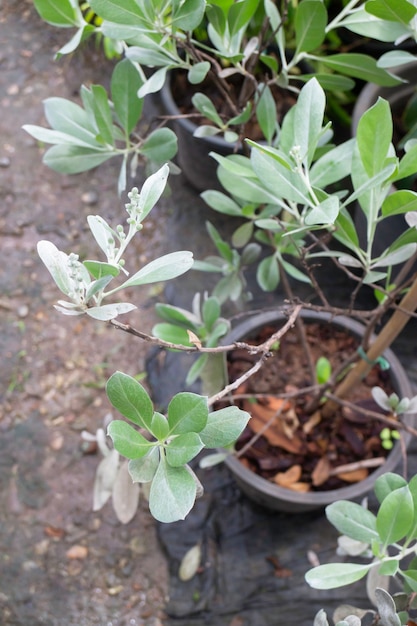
x=23 y=310
x=5 y=162
x=89 y=198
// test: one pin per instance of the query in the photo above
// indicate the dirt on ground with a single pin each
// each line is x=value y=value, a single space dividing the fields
x=61 y=564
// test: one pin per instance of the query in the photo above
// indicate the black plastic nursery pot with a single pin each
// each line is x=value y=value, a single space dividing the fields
x=275 y=497
x=193 y=157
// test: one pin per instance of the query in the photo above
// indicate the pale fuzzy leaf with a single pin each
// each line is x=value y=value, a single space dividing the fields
x=164 y=268
x=108 y=312
x=348 y=546
x=67 y=311
x=56 y=263
x=344 y=611
x=375 y=581
x=380 y=398
x=386 y=608
x=411 y=219
x=105 y=476
x=190 y=563
x=320 y=619
x=172 y=494
x=334 y=575
x=125 y=495
x=212 y=459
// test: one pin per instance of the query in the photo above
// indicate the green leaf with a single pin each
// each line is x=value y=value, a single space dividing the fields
x=99 y=270
x=183 y=449
x=410 y=577
x=143 y=470
x=172 y=334
x=242 y=235
x=129 y=397
x=333 y=165
x=47 y=135
x=359 y=66
x=160 y=146
x=395 y=515
x=118 y=11
x=67 y=159
x=374 y=135
x=353 y=520
x=280 y=181
x=221 y=203
x=97 y=285
x=395 y=256
x=345 y=230
x=159 y=426
x=267 y=273
x=57 y=12
x=211 y=312
x=79 y=36
x=240 y=13
x=196 y=369
x=164 y=268
x=408 y=164
x=310 y=25
x=198 y=72
x=308 y=118
x=189 y=14
x=172 y=494
x=102 y=114
x=125 y=83
x=70 y=118
x=187 y=412
x=325 y=213
x=204 y=105
x=399 y=202
x=177 y=315
x=224 y=427
x=393 y=10
x=363 y=23
x=266 y=113
x=334 y=575
x=323 y=370
x=128 y=441
x=389 y=568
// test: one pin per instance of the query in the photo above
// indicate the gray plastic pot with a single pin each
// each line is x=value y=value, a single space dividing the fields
x=277 y=498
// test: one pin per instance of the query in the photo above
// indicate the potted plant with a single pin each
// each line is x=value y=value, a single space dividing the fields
x=382 y=547
x=293 y=198
x=250 y=51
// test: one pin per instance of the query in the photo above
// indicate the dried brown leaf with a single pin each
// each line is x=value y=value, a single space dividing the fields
x=321 y=472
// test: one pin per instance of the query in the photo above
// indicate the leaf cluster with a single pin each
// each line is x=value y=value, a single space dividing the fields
x=161 y=447
x=387 y=539
x=85 y=283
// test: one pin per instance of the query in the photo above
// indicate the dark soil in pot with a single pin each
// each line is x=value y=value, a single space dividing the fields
x=301 y=449
x=303 y=456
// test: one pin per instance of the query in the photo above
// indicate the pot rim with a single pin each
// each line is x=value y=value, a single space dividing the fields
x=399 y=380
